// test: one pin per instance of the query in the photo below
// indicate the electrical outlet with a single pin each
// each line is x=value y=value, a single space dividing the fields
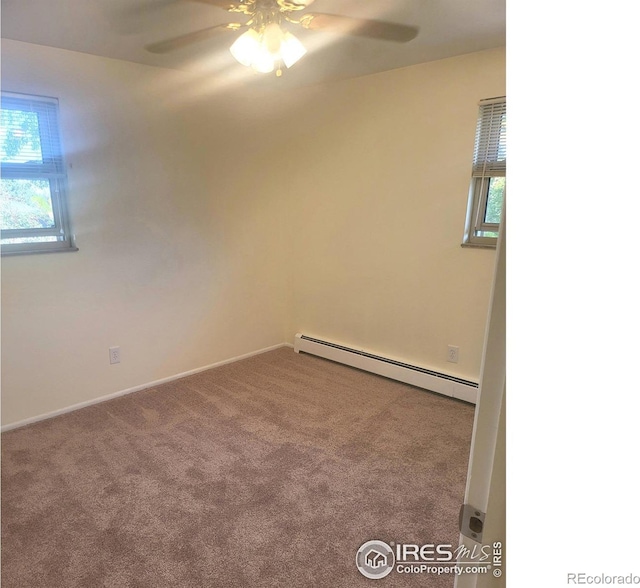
x=114 y=355
x=452 y=354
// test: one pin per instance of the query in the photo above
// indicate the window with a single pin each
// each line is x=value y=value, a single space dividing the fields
x=488 y=177
x=33 y=211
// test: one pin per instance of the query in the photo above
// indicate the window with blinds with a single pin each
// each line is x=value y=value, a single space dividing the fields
x=488 y=177
x=33 y=211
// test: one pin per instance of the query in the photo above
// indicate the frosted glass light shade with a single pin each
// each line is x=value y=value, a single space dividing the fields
x=263 y=62
x=272 y=38
x=291 y=49
x=246 y=47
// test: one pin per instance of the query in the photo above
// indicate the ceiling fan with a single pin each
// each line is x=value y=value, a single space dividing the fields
x=266 y=44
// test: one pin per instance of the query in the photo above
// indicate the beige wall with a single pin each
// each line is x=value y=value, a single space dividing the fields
x=180 y=254
x=378 y=194
x=212 y=223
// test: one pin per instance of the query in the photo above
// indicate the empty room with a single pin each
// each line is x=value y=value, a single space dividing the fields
x=252 y=293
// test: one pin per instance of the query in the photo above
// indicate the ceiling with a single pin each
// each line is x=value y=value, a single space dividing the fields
x=120 y=29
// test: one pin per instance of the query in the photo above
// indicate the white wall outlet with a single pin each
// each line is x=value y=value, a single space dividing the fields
x=452 y=354
x=114 y=355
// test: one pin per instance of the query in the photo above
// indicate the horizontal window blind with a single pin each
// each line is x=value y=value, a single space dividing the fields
x=30 y=139
x=490 y=153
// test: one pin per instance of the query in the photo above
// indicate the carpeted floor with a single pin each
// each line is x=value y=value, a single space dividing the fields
x=271 y=471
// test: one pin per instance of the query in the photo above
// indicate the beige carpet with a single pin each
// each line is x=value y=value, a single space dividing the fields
x=271 y=471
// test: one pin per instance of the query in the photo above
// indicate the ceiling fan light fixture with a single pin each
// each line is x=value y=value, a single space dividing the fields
x=263 y=50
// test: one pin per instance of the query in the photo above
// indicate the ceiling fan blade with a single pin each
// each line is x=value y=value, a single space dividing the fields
x=190 y=38
x=375 y=29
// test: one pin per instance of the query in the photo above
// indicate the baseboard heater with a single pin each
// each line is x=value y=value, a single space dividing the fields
x=390 y=368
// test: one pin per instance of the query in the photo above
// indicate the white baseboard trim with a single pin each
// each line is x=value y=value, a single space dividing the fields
x=100 y=399
x=420 y=376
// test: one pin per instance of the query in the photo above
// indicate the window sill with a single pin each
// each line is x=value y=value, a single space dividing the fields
x=37 y=251
x=479 y=245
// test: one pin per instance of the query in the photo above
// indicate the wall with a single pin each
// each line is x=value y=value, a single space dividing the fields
x=212 y=223
x=379 y=178
x=179 y=246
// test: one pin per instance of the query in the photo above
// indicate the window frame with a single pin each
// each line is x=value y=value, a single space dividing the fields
x=52 y=169
x=478 y=198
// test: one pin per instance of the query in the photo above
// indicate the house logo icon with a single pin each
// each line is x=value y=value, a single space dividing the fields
x=375 y=559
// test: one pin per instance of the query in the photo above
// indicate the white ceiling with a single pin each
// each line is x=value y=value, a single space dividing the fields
x=120 y=29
